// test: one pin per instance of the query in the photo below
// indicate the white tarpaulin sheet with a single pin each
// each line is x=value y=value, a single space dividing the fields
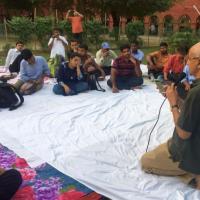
x=97 y=138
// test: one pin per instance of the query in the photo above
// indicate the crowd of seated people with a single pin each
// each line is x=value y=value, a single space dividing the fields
x=123 y=69
x=124 y=74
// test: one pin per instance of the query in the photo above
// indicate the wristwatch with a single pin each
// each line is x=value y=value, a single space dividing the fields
x=174 y=106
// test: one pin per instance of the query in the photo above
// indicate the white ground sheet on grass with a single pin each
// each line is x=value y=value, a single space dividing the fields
x=97 y=138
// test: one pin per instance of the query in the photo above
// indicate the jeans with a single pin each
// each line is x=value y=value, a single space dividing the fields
x=106 y=69
x=75 y=88
x=155 y=73
x=126 y=82
x=10 y=181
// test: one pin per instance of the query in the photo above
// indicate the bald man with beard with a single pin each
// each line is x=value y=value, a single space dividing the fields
x=180 y=155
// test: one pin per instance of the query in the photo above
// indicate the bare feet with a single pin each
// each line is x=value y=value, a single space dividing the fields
x=197 y=178
x=136 y=87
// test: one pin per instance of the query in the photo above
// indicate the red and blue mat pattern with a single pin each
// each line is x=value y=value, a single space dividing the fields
x=45 y=182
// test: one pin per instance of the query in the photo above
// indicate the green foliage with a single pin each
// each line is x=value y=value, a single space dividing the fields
x=22 y=27
x=182 y=39
x=66 y=27
x=21 y=4
x=6 y=47
x=94 y=30
x=134 y=29
x=125 y=7
x=43 y=27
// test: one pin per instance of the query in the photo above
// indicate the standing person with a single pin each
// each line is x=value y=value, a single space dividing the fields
x=105 y=57
x=180 y=155
x=12 y=63
x=57 y=44
x=157 y=60
x=32 y=71
x=10 y=182
x=76 y=21
x=70 y=77
x=125 y=72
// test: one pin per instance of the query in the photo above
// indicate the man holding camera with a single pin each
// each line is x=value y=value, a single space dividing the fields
x=57 y=44
x=105 y=57
x=76 y=20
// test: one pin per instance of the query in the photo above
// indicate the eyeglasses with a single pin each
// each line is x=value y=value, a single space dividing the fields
x=193 y=58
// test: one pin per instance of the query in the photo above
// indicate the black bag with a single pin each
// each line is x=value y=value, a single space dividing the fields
x=15 y=66
x=93 y=83
x=9 y=96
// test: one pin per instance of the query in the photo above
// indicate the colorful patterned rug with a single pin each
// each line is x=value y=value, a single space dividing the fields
x=44 y=182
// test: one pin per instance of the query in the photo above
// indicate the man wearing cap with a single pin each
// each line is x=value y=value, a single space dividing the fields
x=104 y=57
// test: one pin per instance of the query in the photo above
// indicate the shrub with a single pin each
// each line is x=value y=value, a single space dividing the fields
x=94 y=30
x=66 y=27
x=43 y=27
x=186 y=39
x=22 y=27
x=133 y=30
x=6 y=47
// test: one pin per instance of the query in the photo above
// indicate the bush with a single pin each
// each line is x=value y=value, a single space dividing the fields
x=43 y=27
x=66 y=27
x=93 y=31
x=22 y=27
x=186 y=39
x=133 y=30
x=6 y=47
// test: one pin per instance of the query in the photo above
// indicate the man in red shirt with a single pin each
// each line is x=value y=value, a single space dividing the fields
x=175 y=63
x=76 y=21
x=125 y=72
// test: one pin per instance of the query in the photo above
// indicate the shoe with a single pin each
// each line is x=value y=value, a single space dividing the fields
x=151 y=77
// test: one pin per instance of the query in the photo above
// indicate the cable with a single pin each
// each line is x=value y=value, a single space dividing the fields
x=155 y=123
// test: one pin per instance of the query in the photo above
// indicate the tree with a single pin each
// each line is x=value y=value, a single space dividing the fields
x=126 y=8
x=20 y=4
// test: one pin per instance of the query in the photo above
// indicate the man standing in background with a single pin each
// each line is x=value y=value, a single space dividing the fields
x=76 y=21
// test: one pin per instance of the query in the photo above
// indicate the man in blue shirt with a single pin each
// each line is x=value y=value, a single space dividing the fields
x=136 y=52
x=32 y=71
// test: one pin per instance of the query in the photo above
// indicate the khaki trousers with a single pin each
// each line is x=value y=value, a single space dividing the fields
x=22 y=87
x=158 y=162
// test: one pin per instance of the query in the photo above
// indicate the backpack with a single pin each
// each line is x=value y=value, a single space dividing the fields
x=9 y=96
x=15 y=66
x=93 y=83
x=53 y=64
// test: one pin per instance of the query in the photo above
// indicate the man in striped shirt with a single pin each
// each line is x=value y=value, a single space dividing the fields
x=125 y=73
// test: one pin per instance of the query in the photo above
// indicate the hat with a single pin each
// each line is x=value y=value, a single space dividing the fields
x=105 y=45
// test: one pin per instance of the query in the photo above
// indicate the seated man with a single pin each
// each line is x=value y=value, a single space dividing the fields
x=180 y=155
x=125 y=72
x=104 y=57
x=136 y=52
x=32 y=71
x=70 y=77
x=10 y=182
x=88 y=63
x=157 y=60
x=73 y=47
x=175 y=64
x=188 y=79
x=14 y=58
